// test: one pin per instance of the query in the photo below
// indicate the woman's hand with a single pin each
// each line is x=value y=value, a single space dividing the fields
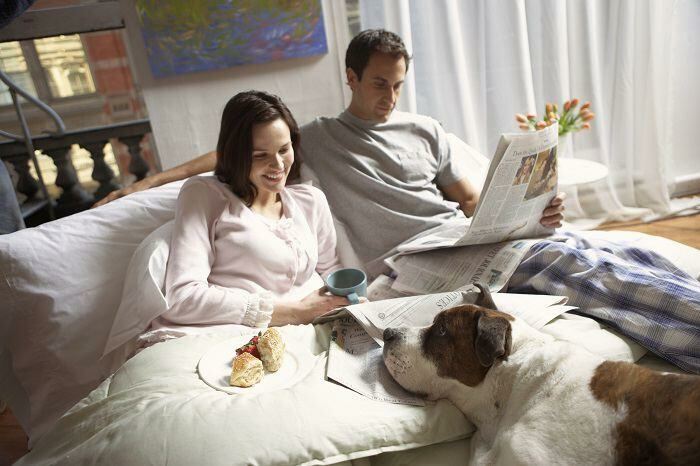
x=305 y=311
x=553 y=215
x=319 y=302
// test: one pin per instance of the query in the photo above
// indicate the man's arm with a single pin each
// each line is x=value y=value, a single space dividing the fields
x=202 y=164
x=464 y=193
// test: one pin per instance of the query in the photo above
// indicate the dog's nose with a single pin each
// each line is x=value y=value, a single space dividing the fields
x=390 y=334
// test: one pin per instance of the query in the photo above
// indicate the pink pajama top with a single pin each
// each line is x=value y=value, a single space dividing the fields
x=228 y=264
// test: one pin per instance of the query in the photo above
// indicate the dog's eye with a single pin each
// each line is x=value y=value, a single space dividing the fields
x=442 y=330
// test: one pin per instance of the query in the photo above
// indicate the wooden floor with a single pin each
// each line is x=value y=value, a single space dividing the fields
x=13 y=442
x=685 y=230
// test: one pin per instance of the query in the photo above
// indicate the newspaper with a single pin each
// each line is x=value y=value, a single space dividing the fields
x=355 y=353
x=520 y=183
x=445 y=270
x=355 y=361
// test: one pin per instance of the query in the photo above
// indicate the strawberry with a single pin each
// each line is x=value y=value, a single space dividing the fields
x=250 y=347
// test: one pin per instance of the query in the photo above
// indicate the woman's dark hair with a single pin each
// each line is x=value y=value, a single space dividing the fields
x=369 y=41
x=234 y=156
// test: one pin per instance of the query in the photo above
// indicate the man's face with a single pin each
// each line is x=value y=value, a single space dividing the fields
x=375 y=95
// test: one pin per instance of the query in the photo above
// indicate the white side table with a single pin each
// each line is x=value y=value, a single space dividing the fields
x=576 y=172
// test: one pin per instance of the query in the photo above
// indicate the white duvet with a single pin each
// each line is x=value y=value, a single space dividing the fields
x=156 y=410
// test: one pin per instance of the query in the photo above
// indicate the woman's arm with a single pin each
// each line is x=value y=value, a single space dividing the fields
x=201 y=164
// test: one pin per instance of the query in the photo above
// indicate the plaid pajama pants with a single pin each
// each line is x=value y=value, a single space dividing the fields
x=635 y=291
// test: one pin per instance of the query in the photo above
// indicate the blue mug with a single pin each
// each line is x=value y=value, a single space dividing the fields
x=351 y=283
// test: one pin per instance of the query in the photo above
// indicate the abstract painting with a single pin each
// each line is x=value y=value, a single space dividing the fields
x=184 y=36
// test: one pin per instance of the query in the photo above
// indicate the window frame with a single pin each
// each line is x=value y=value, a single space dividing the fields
x=40 y=79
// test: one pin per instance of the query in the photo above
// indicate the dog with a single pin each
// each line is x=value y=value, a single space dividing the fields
x=539 y=401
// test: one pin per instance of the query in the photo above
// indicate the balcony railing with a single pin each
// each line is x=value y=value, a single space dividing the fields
x=74 y=197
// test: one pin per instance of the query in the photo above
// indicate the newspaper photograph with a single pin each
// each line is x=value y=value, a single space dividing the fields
x=521 y=181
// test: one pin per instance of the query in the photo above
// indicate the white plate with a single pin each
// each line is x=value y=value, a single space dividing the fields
x=214 y=368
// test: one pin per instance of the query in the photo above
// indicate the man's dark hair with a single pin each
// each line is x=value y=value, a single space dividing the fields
x=234 y=151
x=369 y=41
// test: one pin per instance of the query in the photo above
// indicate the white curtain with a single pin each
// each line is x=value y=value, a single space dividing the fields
x=478 y=62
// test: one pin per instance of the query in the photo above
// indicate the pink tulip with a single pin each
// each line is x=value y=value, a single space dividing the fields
x=521 y=118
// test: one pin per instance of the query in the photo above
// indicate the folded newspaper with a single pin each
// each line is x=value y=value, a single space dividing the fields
x=355 y=352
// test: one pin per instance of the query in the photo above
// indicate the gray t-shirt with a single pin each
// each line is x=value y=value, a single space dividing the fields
x=381 y=179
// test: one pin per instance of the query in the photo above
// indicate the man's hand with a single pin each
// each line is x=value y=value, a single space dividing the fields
x=142 y=185
x=553 y=215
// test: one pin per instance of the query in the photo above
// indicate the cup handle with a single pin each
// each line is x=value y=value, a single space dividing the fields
x=353 y=298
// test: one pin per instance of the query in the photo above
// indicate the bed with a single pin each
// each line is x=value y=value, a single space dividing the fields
x=77 y=292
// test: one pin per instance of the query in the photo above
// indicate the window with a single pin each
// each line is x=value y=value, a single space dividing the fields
x=63 y=61
x=13 y=63
x=352 y=8
x=50 y=69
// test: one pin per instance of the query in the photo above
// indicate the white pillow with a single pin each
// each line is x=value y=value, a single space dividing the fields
x=60 y=286
x=473 y=164
x=143 y=298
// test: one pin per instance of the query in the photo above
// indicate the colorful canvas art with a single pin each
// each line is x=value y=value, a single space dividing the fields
x=184 y=36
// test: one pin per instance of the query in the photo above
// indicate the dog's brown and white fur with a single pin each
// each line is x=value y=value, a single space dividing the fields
x=537 y=400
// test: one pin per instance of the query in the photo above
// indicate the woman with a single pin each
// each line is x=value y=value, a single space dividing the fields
x=246 y=248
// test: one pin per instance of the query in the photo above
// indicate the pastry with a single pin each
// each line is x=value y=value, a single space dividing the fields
x=247 y=370
x=271 y=348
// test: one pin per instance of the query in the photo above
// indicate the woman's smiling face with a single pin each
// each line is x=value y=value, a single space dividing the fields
x=273 y=156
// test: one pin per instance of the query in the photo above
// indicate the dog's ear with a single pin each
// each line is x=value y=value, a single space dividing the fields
x=493 y=338
x=484 y=299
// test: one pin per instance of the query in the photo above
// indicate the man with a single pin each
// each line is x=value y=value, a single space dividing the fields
x=390 y=175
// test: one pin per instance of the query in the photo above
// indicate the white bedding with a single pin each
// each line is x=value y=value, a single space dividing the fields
x=61 y=285
x=156 y=410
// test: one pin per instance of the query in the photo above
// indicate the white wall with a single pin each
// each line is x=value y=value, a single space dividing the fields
x=185 y=111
